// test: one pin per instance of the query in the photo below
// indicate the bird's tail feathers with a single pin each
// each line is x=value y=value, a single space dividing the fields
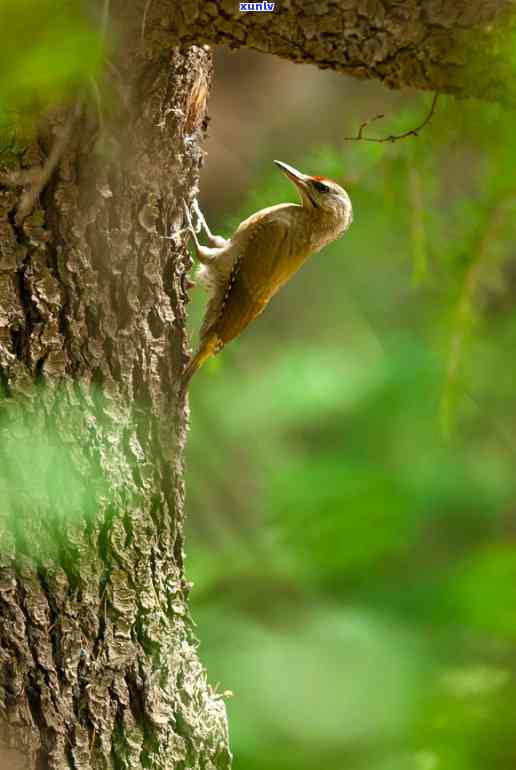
x=206 y=350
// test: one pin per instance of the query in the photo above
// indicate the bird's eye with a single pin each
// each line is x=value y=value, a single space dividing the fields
x=320 y=187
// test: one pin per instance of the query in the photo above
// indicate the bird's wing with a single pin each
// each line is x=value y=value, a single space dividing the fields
x=251 y=283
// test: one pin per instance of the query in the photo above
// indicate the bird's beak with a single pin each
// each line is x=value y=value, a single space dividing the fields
x=300 y=180
x=296 y=176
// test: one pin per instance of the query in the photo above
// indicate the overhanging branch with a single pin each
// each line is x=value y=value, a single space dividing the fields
x=461 y=47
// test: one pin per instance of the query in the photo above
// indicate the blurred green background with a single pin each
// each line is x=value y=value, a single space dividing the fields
x=49 y=50
x=350 y=486
x=350 y=491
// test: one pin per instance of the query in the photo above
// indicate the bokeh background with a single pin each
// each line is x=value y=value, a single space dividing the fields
x=350 y=491
x=350 y=487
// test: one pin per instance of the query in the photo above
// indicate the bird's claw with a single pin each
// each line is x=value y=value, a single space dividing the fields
x=200 y=219
x=189 y=226
x=201 y=222
x=189 y=284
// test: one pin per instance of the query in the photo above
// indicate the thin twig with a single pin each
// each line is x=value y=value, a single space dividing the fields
x=392 y=137
x=98 y=103
x=42 y=175
x=462 y=315
x=105 y=20
x=359 y=137
x=420 y=267
x=21 y=177
x=144 y=22
x=39 y=176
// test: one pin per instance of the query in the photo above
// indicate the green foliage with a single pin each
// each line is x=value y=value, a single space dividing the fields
x=47 y=487
x=353 y=559
x=483 y=589
x=48 y=50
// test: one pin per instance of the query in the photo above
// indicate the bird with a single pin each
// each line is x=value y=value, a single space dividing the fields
x=243 y=273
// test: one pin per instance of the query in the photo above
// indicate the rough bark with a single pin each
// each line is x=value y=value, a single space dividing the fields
x=98 y=661
x=463 y=47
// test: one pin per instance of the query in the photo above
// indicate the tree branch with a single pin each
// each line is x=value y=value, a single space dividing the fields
x=392 y=137
x=461 y=48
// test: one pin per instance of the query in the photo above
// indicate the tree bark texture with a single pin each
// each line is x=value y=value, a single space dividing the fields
x=463 y=47
x=98 y=662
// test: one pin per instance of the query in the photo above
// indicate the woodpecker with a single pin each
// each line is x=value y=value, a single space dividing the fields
x=243 y=273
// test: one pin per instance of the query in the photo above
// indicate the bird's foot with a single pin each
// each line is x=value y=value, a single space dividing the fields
x=201 y=221
x=189 y=224
x=214 y=240
x=205 y=255
x=189 y=283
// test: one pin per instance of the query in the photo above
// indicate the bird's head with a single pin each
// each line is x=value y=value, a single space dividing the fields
x=318 y=192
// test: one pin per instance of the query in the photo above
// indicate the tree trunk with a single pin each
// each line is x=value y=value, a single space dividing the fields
x=98 y=659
